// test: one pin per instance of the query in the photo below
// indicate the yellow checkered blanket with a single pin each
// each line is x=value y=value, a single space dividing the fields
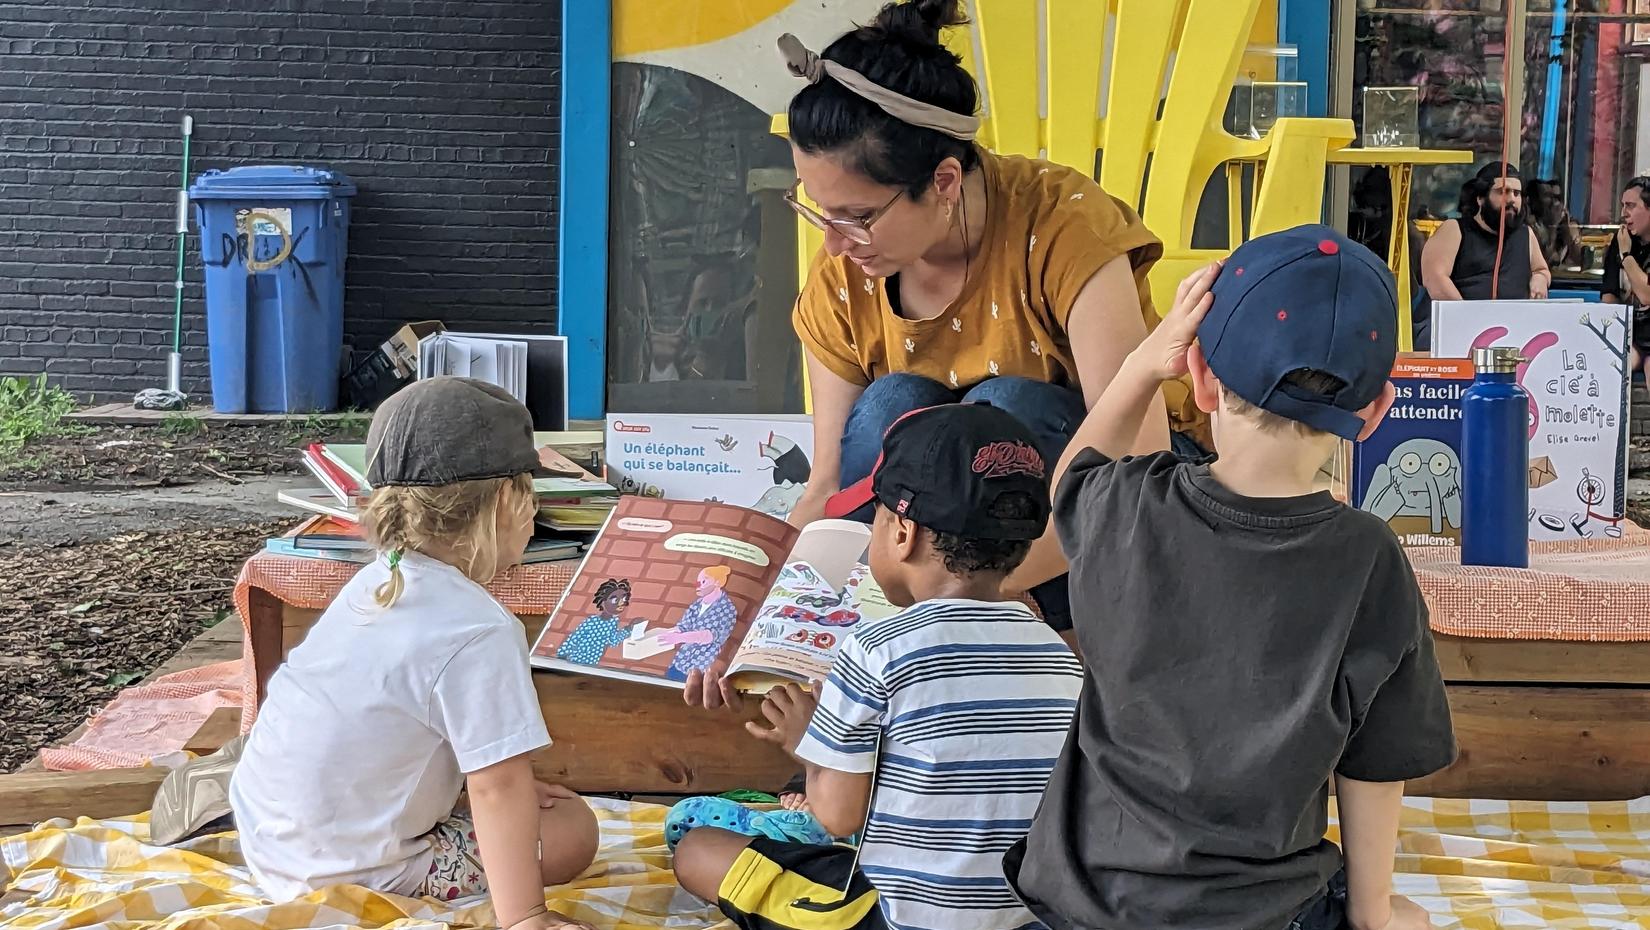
x=104 y=874
x=1474 y=865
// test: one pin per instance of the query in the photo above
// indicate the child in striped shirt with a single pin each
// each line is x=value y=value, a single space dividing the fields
x=935 y=735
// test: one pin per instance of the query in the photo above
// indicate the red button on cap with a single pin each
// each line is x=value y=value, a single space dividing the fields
x=1329 y=247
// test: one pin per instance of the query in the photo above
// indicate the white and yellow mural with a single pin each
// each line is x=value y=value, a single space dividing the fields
x=730 y=43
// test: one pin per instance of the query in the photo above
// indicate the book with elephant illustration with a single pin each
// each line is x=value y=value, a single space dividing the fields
x=673 y=587
x=1408 y=472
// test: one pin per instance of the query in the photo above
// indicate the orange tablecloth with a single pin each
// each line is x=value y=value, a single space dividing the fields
x=1594 y=590
x=311 y=583
x=1588 y=590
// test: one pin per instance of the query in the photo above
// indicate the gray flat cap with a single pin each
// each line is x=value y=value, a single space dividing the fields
x=446 y=430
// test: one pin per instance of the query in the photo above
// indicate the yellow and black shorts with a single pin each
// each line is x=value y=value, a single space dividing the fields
x=790 y=886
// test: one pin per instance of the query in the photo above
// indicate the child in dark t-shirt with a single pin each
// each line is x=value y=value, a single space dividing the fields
x=1285 y=645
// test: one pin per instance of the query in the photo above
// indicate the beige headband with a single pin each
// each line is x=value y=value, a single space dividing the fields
x=803 y=63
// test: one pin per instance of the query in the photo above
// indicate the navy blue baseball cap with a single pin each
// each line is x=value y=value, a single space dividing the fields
x=1310 y=298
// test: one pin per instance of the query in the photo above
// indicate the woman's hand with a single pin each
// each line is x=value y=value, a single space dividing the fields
x=1624 y=241
x=809 y=507
x=1539 y=284
x=711 y=689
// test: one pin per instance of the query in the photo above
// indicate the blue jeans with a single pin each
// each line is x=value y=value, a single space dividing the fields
x=1050 y=411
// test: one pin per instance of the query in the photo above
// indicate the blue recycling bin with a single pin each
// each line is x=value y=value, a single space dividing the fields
x=274 y=239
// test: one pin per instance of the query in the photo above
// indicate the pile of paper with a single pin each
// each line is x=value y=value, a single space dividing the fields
x=485 y=358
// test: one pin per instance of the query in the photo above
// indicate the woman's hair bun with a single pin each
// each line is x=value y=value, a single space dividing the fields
x=919 y=20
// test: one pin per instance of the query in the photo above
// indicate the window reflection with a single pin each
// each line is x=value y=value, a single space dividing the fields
x=702 y=257
x=1579 y=75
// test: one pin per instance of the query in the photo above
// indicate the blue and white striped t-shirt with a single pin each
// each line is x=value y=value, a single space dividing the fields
x=973 y=701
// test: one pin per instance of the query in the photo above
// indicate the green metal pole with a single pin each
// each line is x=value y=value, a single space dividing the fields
x=174 y=363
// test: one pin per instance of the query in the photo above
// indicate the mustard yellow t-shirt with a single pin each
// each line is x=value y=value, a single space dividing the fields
x=1048 y=230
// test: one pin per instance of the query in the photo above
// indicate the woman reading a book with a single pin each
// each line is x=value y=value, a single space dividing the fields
x=949 y=272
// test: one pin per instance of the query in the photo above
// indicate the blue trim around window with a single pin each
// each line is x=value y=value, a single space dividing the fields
x=1305 y=25
x=581 y=246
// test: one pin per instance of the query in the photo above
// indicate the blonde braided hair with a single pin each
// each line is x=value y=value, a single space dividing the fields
x=459 y=520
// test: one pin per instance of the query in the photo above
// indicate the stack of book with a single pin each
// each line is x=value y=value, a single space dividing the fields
x=334 y=540
x=573 y=503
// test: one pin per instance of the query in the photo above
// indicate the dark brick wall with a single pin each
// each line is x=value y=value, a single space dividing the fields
x=443 y=111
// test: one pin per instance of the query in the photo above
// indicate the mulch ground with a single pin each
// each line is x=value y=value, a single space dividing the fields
x=78 y=623
x=115 y=457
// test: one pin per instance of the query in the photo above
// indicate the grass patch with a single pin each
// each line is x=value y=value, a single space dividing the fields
x=351 y=424
x=31 y=409
x=178 y=425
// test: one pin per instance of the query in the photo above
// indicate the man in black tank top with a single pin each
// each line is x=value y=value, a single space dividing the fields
x=1459 y=261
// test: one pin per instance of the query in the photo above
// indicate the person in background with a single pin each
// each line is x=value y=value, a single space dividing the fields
x=1285 y=647
x=1459 y=261
x=1553 y=226
x=1627 y=266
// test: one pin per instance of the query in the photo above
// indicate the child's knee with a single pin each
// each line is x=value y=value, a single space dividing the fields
x=570 y=837
x=702 y=860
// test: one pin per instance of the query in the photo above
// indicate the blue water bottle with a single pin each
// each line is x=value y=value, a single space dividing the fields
x=1495 y=463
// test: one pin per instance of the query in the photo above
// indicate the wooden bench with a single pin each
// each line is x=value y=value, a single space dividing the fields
x=1535 y=720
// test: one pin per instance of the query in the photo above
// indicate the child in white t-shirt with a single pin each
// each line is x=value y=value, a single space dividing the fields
x=414 y=686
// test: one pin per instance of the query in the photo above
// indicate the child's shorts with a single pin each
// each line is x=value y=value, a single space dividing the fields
x=455 y=872
x=789 y=886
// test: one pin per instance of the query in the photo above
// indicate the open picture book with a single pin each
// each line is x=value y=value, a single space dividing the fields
x=670 y=587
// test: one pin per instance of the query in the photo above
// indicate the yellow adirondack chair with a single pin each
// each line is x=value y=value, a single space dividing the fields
x=1109 y=69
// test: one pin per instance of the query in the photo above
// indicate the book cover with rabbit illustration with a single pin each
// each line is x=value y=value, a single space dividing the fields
x=1575 y=368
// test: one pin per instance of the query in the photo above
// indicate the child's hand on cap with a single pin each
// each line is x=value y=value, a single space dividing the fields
x=1163 y=352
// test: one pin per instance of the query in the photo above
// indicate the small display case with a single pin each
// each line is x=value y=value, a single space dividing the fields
x=1391 y=118
x=1270 y=101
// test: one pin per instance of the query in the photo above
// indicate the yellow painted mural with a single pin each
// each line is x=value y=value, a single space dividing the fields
x=642 y=26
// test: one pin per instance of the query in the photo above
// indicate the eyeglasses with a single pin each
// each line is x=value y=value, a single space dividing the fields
x=850 y=228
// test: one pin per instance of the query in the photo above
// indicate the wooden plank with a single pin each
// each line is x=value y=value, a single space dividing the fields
x=128 y=415
x=223 y=726
x=219 y=643
x=1546 y=743
x=620 y=736
x=1466 y=659
x=611 y=736
x=30 y=797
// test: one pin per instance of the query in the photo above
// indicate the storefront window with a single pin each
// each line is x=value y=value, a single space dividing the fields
x=1575 y=81
x=1453 y=50
x=702 y=254
x=1584 y=66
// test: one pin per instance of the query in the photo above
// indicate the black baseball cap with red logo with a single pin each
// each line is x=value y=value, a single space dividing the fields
x=944 y=468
